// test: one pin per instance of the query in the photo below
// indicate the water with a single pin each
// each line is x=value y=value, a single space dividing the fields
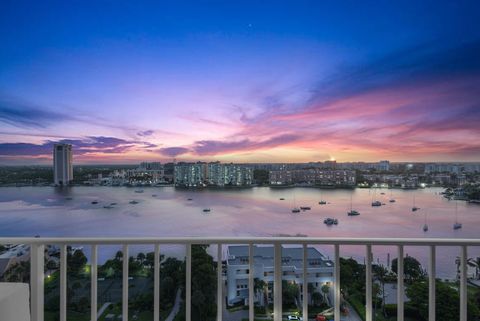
x=47 y=211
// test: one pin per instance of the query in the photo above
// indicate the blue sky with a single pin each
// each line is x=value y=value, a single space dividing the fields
x=239 y=81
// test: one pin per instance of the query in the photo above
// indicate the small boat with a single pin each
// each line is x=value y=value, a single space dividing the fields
x=330 y=221
x=457 y=225
x=305 y=208
x=108 y=206
x=352 y=211
x=425 y=225
x=113 y=204
x=392 y=200
x=376 y=203
x=206 y=210
x=295 y=210
x=322 y=202
x=282 y=199
x=139 y=191
x=94 y=202
x=414 y=208
x=189 y=199
x=133 y=202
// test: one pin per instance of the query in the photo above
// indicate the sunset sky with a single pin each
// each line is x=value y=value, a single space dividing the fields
x=241 y=81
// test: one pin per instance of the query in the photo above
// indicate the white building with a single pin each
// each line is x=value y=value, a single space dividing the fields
x=62 y=164
x=319 y=271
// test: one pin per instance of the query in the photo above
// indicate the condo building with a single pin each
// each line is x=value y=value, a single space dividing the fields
x=313 y=176
x=62 y=164
x=213 y=174
x=319 y=271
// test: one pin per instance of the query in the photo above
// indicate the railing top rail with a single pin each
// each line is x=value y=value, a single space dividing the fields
x=242 y=240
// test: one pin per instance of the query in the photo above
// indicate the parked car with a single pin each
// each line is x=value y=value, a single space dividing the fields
x=294 y=318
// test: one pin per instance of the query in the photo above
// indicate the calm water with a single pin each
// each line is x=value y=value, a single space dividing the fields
x=46 y=211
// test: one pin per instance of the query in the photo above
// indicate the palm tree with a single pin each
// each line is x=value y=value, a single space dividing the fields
x=316 y=298
x=381 y=273
x=261 y=286
x=325 y=290
x=470 y=262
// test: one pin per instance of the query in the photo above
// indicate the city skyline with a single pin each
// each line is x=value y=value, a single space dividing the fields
x=247 y=82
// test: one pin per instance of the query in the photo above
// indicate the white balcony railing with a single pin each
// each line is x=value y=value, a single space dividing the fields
x=37 y=269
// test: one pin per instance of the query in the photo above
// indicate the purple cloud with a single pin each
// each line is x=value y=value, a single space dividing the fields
x=145 y=133
x=24 y=115
x=91 y=144
x=173 y=151
x=212 y=147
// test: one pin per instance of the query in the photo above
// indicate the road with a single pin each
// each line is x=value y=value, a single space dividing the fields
x=176 y=306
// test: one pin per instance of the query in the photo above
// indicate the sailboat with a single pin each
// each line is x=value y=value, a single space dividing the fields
x=457 y=225
x=425 y=226
x=295 y=209
x=322 y=202
x=392 y=200
x=352 y=211
x=376 y=203
x=414 y=208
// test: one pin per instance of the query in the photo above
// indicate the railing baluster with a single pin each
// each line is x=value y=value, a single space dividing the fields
x=463 y=283
x=125 y=284
x=305 y=282
x=251 y=311
x=400 y=284
x=37 y=258
x=156 y=283
x=277 y=286
x=63 y=282
x=431 y=284
x=337 y=282
x=188 y=284
x=219 y=283
x=93 y=284
x=368 y=285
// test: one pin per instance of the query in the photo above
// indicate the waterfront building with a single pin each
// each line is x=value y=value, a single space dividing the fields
x=319 y=271
x=213 y=174
x=383 y=166
x=62 y=164
x=313 y=176
x=190 y=174
x=216 y=174
x=151 y=166
x=238 y=175
x=146 y=173
x=453 y=168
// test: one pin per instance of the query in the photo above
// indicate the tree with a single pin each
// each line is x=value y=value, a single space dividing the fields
x=76 y=261
x=141 y=257
x=447 y=299
x=470 y=262
x=261 y=176
x=316 y=298
x=352 y=275
x=203 y=284
x=412 y=269
x=381 y=274
x=289 y=292
x=262 y=287
x=19 y=272
x=325 y=290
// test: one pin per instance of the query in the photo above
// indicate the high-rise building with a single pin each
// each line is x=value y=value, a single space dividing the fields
x=62 y=164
